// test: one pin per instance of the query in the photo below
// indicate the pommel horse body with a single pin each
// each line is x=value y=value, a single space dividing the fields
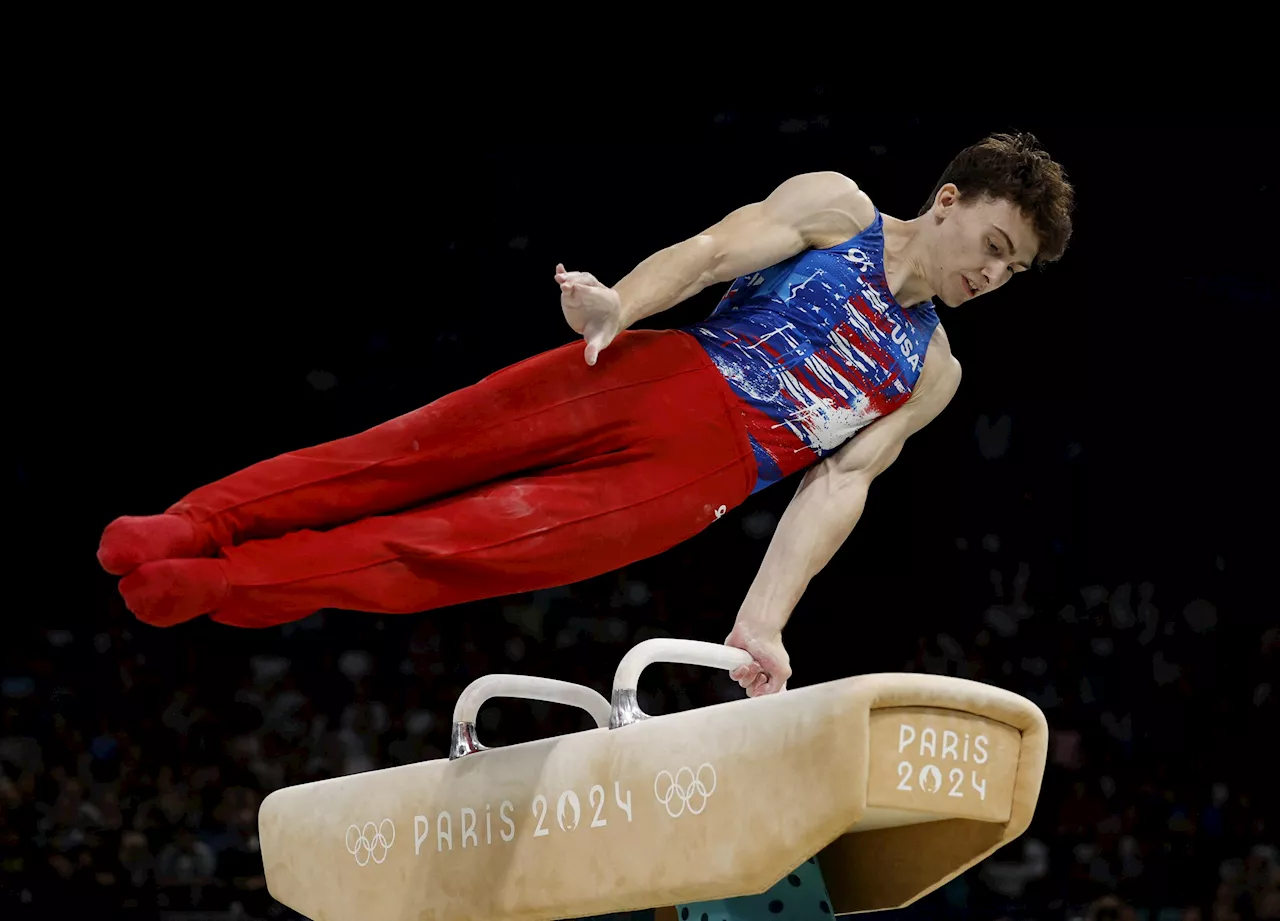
x=896 y=783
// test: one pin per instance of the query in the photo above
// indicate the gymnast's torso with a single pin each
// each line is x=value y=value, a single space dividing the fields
x=816 y=348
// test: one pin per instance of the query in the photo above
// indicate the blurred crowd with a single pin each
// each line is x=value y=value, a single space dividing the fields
x=132 y=767
x=1159 y=799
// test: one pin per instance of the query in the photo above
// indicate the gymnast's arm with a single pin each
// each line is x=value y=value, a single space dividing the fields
x=832 y=494
x=811 y=208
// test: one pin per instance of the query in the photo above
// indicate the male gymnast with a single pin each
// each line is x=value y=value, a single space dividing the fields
x=557 y=469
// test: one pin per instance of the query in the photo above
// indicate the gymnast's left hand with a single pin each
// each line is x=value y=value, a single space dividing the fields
x=591 y=309
x=769 y=672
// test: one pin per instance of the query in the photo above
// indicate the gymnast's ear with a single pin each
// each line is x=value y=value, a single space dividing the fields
x=946 y=200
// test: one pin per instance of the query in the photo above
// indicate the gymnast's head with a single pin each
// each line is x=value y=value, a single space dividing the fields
x=1001 y=207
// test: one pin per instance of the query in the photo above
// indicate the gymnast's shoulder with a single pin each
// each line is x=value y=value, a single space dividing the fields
x=826 y=206
x=941 y=369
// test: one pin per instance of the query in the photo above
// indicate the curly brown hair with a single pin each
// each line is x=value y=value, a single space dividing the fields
x=1015 y=167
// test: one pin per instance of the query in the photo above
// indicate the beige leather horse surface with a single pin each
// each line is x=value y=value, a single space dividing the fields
x=897 y=782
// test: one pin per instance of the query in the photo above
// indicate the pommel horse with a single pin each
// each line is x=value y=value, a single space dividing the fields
x=894 y=783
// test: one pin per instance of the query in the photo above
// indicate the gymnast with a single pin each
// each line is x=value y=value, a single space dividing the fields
x=576 y=462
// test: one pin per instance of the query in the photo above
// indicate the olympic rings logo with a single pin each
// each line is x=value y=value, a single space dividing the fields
x=678 y=794
x=371 y=842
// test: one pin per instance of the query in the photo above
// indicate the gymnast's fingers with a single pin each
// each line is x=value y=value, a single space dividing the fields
x=748 y=675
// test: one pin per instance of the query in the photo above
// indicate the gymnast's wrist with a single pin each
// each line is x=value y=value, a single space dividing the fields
x=761 y=621
x=627 y=314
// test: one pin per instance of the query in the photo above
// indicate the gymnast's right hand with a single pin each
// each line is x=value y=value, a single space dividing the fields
x=592 y=309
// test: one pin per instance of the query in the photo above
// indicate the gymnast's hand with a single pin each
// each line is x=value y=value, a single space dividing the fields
x=769 y=672
x=592 y=309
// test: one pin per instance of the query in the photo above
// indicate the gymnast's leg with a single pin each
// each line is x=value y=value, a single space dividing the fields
x=552 y=527
x=546 y=411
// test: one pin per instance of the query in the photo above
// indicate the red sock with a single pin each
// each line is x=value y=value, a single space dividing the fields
x=129 y=542
x=167 y=592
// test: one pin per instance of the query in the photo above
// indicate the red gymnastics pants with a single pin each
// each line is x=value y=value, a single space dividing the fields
x=545 y=473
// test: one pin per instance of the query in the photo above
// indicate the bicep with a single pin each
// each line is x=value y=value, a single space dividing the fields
x=803 y=209
x=878 y=445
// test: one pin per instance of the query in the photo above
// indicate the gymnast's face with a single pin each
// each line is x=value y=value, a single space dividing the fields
x=980 y=244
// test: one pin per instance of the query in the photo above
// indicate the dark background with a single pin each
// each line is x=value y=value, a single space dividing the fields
x=235 y=277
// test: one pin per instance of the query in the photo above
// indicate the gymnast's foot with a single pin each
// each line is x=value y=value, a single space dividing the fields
x=129 y=542
x=168 y=592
